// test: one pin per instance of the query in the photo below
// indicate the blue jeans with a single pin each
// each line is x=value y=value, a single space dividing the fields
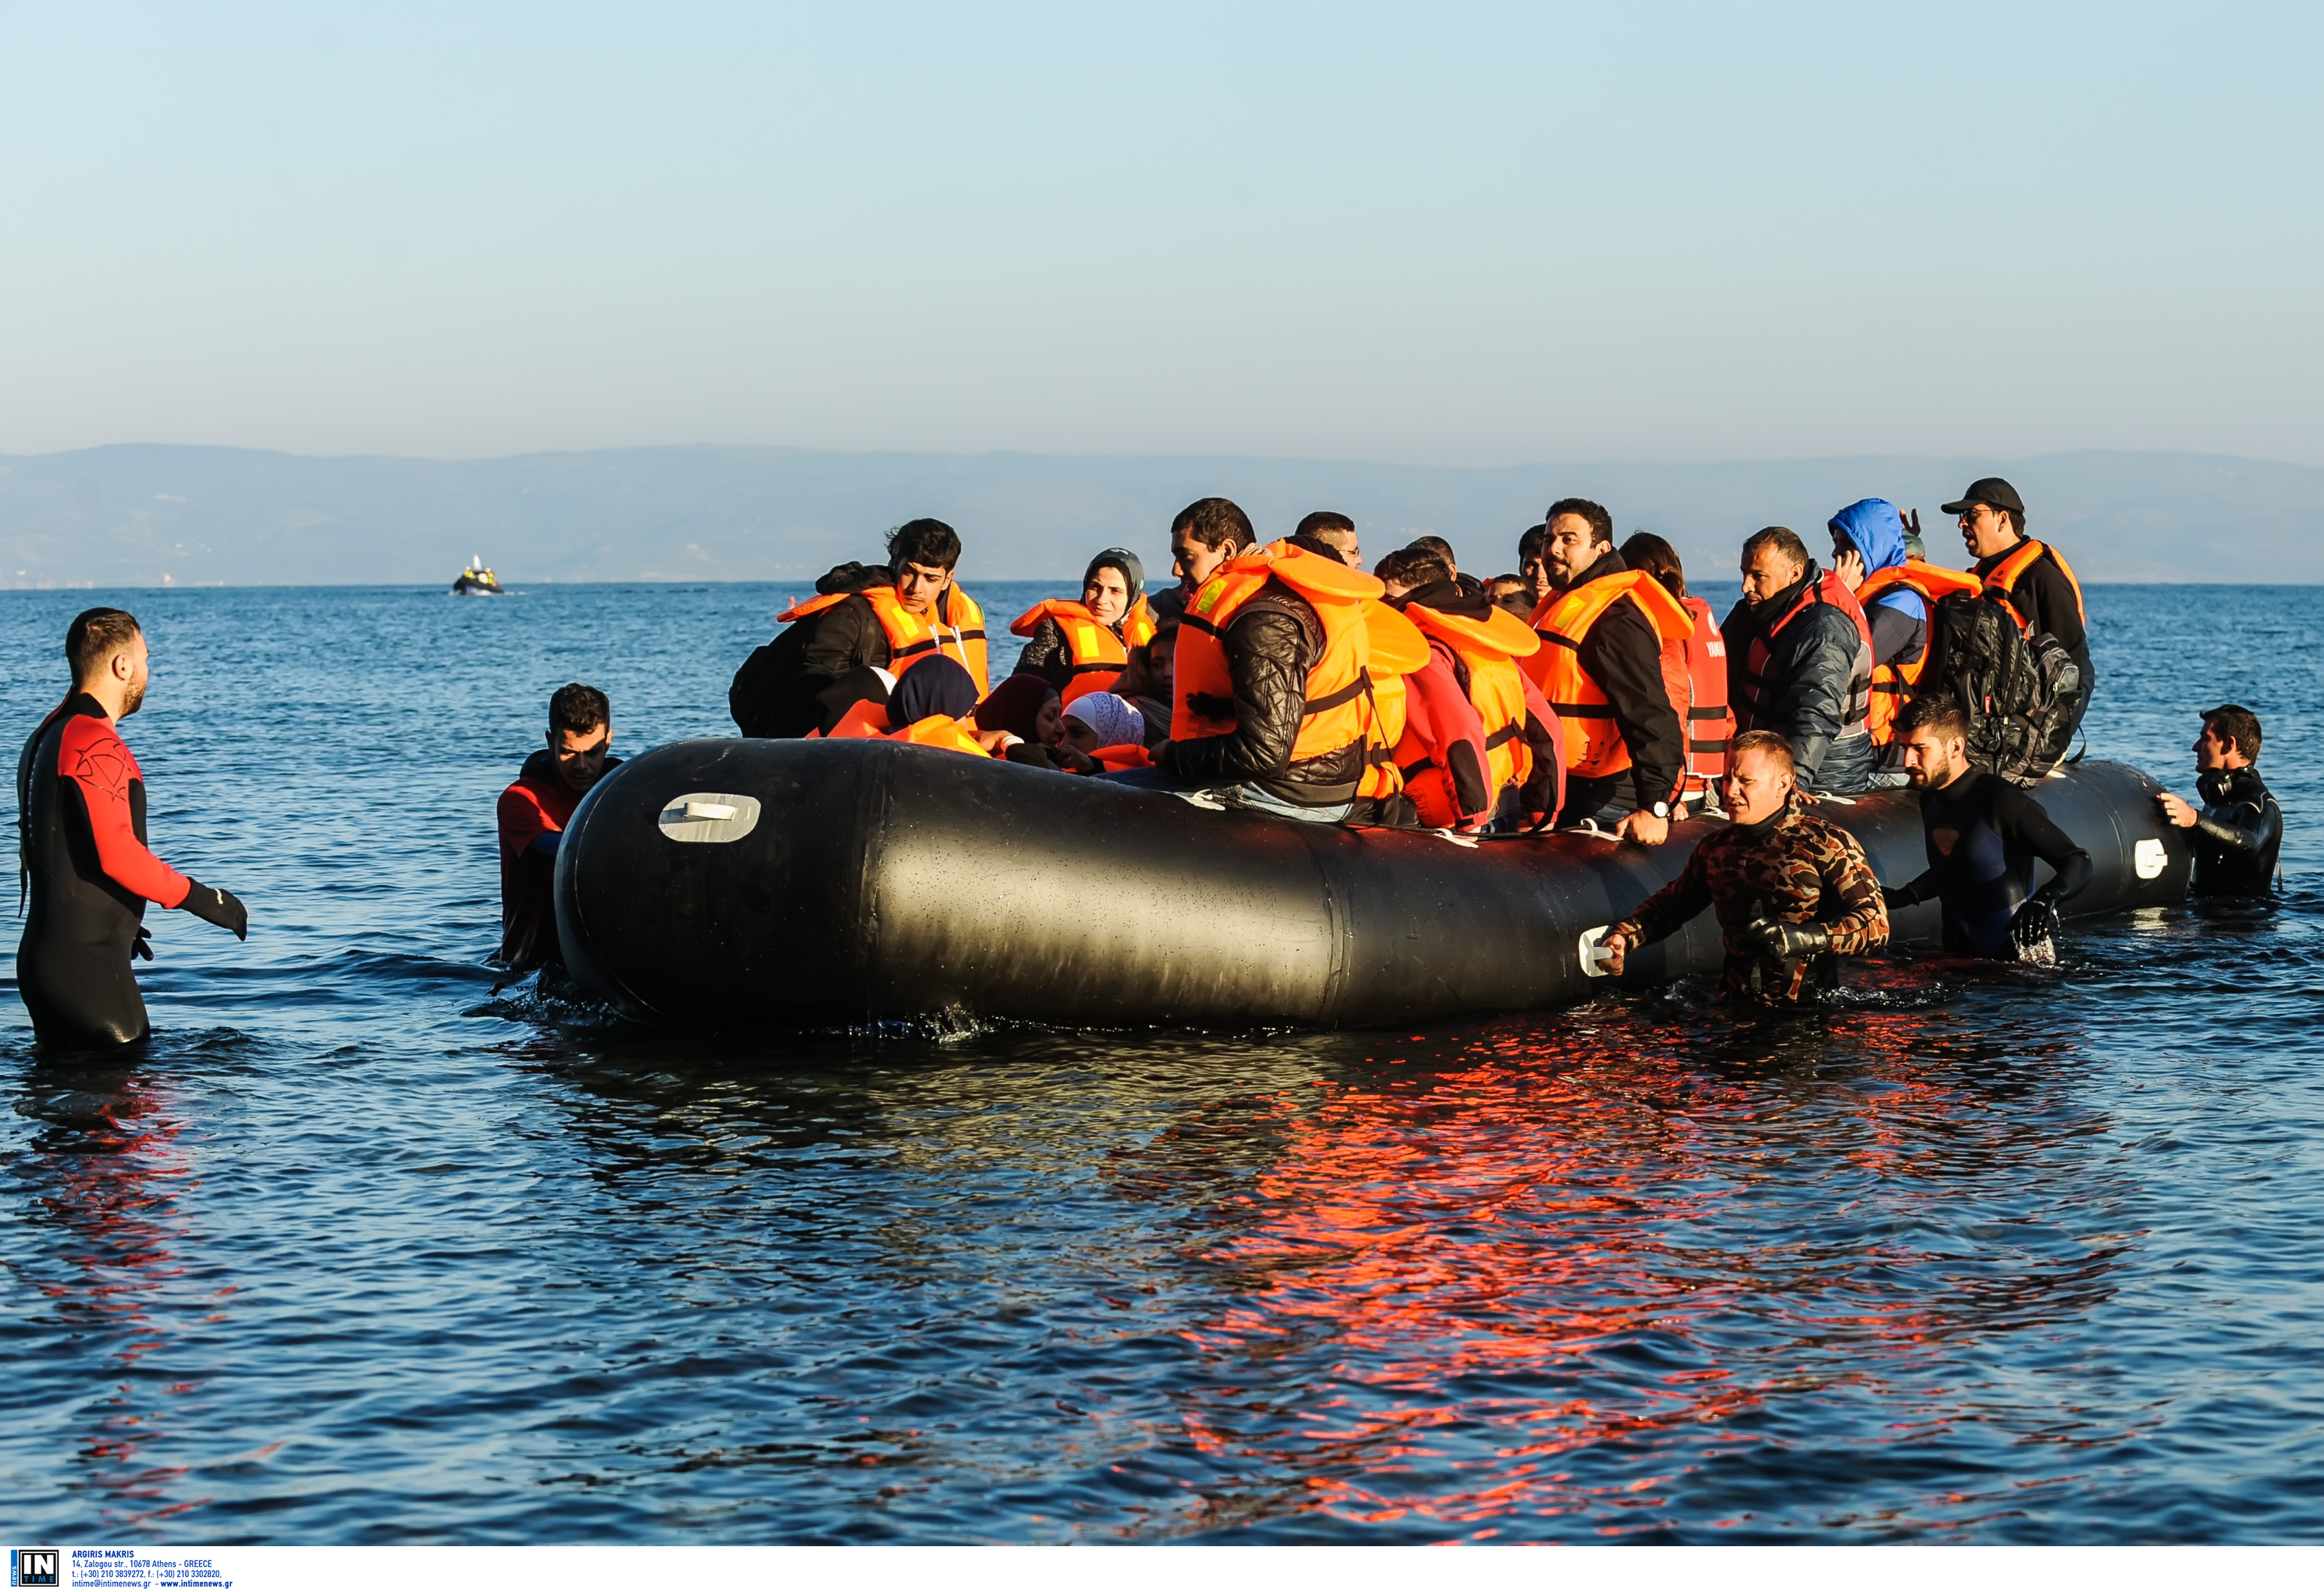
x=1248 y=796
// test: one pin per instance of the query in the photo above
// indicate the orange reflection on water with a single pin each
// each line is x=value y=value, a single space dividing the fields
x=1488 y=1261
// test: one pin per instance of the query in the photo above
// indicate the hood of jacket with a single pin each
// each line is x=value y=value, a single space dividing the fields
x=1875 y=528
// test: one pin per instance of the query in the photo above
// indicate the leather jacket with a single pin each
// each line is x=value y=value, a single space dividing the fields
x=1271 y=644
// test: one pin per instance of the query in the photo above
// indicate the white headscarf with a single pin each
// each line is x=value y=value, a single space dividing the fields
x=1112 y=720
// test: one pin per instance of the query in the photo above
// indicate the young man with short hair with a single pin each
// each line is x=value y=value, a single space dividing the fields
x=80 y=807
x=533 y=813
x=1602 y=627
x=2239 y=829
x=1335 y=531
x=1983 y=836
x=866 y=624
x=1793 y=892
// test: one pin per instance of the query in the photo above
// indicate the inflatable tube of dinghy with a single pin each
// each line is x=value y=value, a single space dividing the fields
x=792 y=883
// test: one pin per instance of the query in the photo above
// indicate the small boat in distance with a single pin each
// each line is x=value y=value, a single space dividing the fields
x=476 y=581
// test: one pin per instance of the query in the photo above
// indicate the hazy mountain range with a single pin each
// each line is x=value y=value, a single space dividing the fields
x=142 y=515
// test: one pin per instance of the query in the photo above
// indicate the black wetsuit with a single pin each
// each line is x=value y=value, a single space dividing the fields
x=1983 y=836
x=72 y=965
x=2237 y=835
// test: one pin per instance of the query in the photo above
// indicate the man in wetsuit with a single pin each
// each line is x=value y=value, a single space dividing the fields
x=1793 y=893
x=534 y=814
x=2239 y=828
x=1984 y=835
x=81 y=803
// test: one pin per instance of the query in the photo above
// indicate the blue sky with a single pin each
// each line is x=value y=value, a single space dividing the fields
x=1443 y=234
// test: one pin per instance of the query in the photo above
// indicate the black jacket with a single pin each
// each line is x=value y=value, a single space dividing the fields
x=1810 y=689
x=2237 y=835
x=1623 y=653
x=774 y=693
x=1272 y=643
x=1048 y=655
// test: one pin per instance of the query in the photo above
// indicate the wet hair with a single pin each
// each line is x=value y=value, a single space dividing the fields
x=1326 y=521
x=1529 y=545
x=1412 y=567
x=1765 y=741
x=577 y=708
x=94 y=636
x=1601 y=523
x=2238 y=724
x=1940 y=710
x=1216 y=523
x=1646 y=550
x=929 y=543
x=1781 y=537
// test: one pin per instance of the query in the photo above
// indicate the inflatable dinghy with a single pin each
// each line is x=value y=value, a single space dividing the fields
x=792 y=883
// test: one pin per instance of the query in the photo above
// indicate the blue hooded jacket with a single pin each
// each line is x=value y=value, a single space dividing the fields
x=1876 y=530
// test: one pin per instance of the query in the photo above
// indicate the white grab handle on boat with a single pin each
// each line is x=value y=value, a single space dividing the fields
x=710 y=809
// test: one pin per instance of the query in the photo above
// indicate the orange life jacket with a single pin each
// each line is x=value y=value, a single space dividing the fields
x=1893 y=683
x=1398 y=648
x=1694 y=673
x=1829 y=590
x=957 y=630
x=862 y=721
x=1339 y=711
x=1114 y=759
x=1488 y=649
x=1098 y=656
x=1594 y=747
x=2003 y=580
x=943 y=732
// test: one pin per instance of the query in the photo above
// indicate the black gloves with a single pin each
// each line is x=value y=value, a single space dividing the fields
x=218 y=906
x=1897 y=896
x=143 y=945
x=1789 y=941
x=2035 y=922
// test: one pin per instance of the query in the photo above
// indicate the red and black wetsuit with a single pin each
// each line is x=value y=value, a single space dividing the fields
x=534 y=814
x=82 y=798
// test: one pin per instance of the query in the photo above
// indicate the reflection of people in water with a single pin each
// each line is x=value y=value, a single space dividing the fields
x=81 y=803
x=534 y=814
x=2239 y=828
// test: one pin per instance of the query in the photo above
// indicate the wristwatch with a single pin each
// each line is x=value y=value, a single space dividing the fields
x=1660 y=810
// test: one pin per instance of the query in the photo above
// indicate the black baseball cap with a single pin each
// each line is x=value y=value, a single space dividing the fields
x=1993 y=491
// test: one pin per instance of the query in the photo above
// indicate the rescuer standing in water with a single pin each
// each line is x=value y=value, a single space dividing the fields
x=2238 y=829
x=81 y=803
x=1793 y=893
x=533 y=813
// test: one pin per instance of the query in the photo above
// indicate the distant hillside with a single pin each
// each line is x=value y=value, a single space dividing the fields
x=132 y=516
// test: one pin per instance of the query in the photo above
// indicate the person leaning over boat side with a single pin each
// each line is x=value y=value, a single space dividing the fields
x=2030 y=576
x=1271 y=709
x=1799 y=662
x=533 y=813
x=1336 y=531
x=870 y=622
x=81 y=849
x=1793 y=892
x=1694 y=672
x=2239 y=828
x=1983 y=835
x=1602 y=627
x=1084 y=646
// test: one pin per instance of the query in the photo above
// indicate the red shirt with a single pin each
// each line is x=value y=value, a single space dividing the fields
x=537 y=804
x=92 y=753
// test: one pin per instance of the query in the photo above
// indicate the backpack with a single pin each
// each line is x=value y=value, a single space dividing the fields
x=2020 y=692
x=757 y=698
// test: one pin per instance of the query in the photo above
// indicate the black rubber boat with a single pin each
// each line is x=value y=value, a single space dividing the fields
x=738 y=883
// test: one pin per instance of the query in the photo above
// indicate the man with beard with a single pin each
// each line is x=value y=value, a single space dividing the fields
x=1984 y=835
x=81 y=803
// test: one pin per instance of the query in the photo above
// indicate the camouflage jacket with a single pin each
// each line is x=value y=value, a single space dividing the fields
x=1795 y=868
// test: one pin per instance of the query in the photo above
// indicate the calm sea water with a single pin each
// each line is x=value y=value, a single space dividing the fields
x=360 y=1251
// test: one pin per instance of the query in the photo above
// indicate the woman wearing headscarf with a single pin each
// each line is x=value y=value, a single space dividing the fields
x=1107 y=730
x=1024 y=715
x=1082 y=646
